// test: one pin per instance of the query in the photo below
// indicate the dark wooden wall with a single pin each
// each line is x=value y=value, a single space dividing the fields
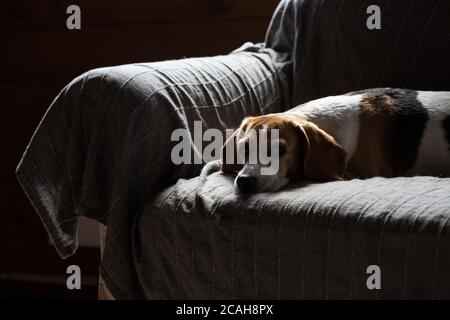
x=40 y=55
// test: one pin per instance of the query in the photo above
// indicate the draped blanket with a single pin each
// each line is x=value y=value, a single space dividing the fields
x=104 y=145
x=200 y=239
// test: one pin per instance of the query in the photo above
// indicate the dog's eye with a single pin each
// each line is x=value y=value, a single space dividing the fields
x=281 y=151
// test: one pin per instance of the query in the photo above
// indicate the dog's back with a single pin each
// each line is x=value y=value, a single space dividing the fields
x=387 y=132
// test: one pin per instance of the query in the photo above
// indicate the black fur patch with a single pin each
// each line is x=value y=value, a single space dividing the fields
x=446 y=125
x=409 y=125
x=409 y=121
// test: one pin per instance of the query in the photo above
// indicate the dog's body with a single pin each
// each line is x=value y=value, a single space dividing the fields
x=387 y=132
x=376 y=132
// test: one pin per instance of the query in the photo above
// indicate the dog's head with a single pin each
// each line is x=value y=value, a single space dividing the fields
x=301 y=149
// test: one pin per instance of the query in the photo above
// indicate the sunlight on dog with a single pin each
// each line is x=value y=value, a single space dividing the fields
x=304 y=152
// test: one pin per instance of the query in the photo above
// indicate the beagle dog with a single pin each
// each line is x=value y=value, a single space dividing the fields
x=376 y=132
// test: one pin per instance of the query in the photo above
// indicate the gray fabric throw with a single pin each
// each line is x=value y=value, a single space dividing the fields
x=202 y=240
x=105 y=143
x=104 y=146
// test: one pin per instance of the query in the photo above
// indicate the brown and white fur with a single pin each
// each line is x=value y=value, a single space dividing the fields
x=375 y=132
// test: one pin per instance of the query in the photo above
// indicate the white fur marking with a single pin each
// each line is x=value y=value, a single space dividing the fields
x=434 y=156
x=336 y=115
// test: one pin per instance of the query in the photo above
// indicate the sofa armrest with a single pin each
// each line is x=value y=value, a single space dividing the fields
x=105 y=142
x=109 y=124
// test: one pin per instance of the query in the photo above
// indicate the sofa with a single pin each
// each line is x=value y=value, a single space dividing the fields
x=102 y=150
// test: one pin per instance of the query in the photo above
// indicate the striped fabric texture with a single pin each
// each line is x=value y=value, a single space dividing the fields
x=105 y=143
x=103 y=148
x=199 y=239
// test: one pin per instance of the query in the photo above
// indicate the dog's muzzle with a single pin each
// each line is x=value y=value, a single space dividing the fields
x=246 y=183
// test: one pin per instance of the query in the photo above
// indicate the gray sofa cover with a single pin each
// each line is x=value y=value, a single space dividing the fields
x=200 y=239
x=103 y=148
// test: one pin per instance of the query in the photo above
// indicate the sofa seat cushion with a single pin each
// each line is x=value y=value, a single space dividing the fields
x=200 y=239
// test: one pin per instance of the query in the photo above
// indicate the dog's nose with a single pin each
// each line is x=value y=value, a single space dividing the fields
x=246 y=183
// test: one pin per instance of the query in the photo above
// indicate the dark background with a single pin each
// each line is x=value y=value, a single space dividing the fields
x=40 y=56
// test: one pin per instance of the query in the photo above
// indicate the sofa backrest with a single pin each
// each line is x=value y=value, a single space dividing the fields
x=330 y=49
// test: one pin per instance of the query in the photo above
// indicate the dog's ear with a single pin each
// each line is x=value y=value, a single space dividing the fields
x=230 y=147
x=323 y=157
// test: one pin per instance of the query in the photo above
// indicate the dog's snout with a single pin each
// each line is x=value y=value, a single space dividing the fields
x=246 y=183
